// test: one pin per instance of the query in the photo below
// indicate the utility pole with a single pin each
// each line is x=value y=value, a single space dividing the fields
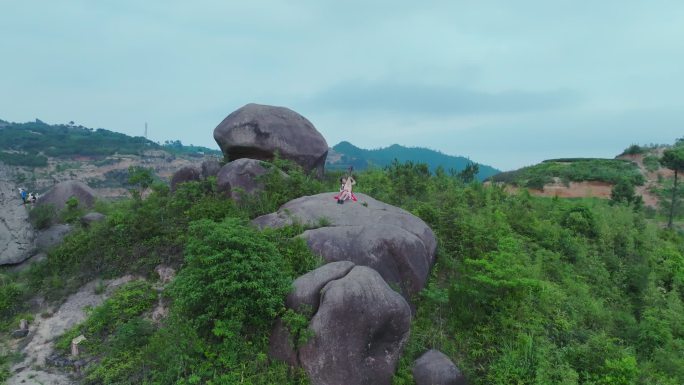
x=145 y=130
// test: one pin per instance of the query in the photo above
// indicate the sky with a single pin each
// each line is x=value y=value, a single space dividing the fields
x=505 y=83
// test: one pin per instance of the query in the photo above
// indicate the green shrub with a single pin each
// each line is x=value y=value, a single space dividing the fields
x=71 y=212
x=634 y=149
x=128 y=302
x=42 y=216
x=234 y=280
x=10 y=297
x=652 y=163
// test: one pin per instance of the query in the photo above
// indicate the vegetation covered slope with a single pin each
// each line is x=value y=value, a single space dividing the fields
x=525 y=290
x=28 y=144
x=573 y=170
x=361 y=159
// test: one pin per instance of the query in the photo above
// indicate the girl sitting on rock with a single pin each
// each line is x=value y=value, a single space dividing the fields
x=346 y=189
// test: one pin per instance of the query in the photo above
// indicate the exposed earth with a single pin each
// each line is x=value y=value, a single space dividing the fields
x=598 y=189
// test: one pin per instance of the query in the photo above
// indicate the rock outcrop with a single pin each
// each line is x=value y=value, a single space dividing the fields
x=60 y=193
x=359 y=325
x=210 y=168
x=399 y=245
x=435 y=368
x=185 y=174
x=16 y=233
x=239 y=177
x=258 y=131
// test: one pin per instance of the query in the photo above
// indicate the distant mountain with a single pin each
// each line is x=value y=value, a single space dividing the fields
x=345 y=154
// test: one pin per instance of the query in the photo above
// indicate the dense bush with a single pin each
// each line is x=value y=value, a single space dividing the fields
x=23 y=159
x=42 y=216
x=233 y=281
x=634 y=149
x=10 y=297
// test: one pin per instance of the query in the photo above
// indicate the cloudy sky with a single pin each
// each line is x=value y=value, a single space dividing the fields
x=506 y=83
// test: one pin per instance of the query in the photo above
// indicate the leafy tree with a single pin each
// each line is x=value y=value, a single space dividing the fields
x=623 y=192
x=673 y=159
x=469 y=173
x=634 y=149
x=141 y=178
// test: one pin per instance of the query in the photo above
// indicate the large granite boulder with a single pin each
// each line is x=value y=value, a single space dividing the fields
x=60 y=193
x=258 y=131
x=435 y=368
x=399 y=245
x=16 y=232
x=185 y=174
x=240 y=177
x=210 y=167
x=359 y=326
x=305 y=299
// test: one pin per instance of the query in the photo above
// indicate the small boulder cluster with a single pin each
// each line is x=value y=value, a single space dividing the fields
x=255 y=134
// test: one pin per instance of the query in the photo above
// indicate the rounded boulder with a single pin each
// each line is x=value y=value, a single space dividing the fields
x=241 y=177
x=60 y=193
x=185 y=174
x=435 y=368
x=396 y=243
x=260 y=131
x=360 y=326
x=210 y=167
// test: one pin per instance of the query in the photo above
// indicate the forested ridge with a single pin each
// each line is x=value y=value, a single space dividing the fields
x=360 y=159
x=525 y=290
x=30 y=143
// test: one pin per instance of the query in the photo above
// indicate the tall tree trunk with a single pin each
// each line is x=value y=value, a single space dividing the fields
x=672 y=205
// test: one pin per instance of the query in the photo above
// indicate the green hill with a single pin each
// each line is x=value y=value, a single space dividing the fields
x=573 y=170
x=345 y=154
x=29 y=144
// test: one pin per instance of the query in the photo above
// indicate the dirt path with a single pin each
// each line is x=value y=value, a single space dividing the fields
x=43 y=331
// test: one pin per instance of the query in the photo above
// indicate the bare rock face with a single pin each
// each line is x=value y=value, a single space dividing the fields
x=185 y=174
x=16 y=232
x=210 y=168
x=359 y=325
x=239 y=176
x=398 y=245
x=259 y=131
x=61 y=192
x=435 y=368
